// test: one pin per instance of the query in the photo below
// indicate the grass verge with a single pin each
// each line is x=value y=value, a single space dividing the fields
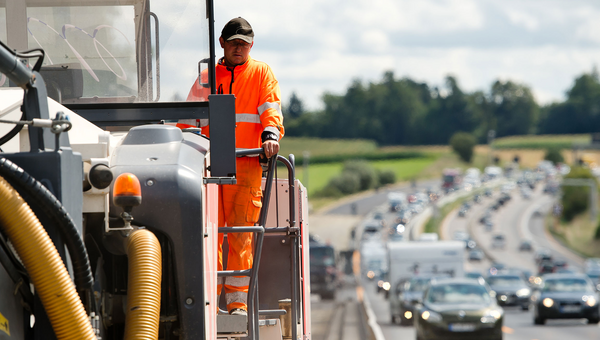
x=433 y=224
x=577 y=235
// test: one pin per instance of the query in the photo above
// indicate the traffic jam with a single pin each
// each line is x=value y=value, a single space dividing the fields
x=488 y=272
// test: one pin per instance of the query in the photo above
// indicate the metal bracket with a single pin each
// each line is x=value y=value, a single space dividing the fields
x=220 y=180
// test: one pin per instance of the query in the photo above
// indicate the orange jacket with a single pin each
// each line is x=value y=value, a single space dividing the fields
x=257 y=103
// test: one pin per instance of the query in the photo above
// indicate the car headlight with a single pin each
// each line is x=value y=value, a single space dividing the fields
x=589 y=300
x=548 y=302
x=431 y=316
x=491 y=316
x=387 y=286
x=523 y=292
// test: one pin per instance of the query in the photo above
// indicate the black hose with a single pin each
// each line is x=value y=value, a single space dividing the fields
x=13 y=132
x=36 y=193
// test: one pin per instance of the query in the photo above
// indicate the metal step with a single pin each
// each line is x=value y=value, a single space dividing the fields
x=232 y=326
x=270 y=329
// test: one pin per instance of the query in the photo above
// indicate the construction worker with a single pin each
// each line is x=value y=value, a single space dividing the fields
x=259 y=123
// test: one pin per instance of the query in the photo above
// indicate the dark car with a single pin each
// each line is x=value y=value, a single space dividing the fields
x=409 y=294
x=458 y=308
x=542 y=255
x=511 y=290
x=566 y=296
x=323 y=272
x=525 y=245
x=546 y=267
x=476 y=255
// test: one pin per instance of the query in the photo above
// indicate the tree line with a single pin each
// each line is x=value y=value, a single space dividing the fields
x=401 y=111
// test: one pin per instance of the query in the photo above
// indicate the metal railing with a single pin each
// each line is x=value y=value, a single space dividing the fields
x=260 y=230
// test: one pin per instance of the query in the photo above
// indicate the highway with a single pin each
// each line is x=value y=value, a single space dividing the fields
x=516 y=220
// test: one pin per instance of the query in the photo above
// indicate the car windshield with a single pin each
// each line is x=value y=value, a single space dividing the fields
x=567 y=285
x=458 y=294
x=418 y=284
x=503 y=280
x=473 y=275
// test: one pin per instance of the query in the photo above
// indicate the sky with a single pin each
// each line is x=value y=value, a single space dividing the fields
x=316 y=47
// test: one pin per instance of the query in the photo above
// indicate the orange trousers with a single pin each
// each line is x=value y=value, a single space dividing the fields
x=239 y=205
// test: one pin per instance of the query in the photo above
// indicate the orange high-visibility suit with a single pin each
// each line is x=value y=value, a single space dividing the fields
x=258 y=110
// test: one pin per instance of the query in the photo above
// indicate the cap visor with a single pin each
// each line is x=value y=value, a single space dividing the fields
x=241 y=37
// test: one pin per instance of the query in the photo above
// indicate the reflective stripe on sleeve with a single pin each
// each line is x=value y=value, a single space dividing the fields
x=273 y=130
x=191 y=122
x=268 y=105
x=239 y=118
x=247 y=118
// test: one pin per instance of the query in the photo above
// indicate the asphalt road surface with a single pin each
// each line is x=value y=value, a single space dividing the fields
x=510 y=220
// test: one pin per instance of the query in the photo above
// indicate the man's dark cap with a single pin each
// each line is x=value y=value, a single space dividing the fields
x=238 y=28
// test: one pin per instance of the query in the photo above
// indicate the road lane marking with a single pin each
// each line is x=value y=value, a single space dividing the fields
x=507 y=330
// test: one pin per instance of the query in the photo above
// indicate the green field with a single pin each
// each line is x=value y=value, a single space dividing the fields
x=320 y=174
x=323 y=147
x=541 y=141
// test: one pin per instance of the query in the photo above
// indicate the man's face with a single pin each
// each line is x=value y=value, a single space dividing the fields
x=236 y=51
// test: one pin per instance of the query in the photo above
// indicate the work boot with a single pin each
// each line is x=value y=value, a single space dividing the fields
x=238 y=311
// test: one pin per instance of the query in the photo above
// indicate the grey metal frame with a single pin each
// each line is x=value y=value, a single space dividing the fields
x=292 y=231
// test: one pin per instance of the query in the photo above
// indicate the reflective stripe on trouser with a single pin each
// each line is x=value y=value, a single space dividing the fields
x=239 y=205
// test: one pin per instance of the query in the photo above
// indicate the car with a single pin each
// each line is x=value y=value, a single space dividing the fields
x=487 y=192
x=526 y=274
x=594 y=275
x=592 y=263
x=546 y=267
x=560 y=265
x=542 y=255
x=460 y=235
x=489 y=225
x=474 y=275
x=410 y=293
x=511 y=290
x=525 y=245
x=372 y=228
x=462 y=212
x=476 y=255
x=566 y=296
x=396 y=233
x=496 y=267
x=458 y=308
x=498 y=241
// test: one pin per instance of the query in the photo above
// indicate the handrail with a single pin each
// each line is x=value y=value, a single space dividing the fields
x=253 y=303
x=252 y=272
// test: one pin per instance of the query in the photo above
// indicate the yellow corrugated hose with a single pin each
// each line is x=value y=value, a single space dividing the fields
x=45 y=267
x=143 y=287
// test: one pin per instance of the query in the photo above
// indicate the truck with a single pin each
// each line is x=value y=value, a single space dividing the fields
x=323 y=270
x=109 y=213
x=451 y=180
x=410 y=259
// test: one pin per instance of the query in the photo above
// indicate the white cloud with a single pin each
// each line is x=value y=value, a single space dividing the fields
x=317 y=46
